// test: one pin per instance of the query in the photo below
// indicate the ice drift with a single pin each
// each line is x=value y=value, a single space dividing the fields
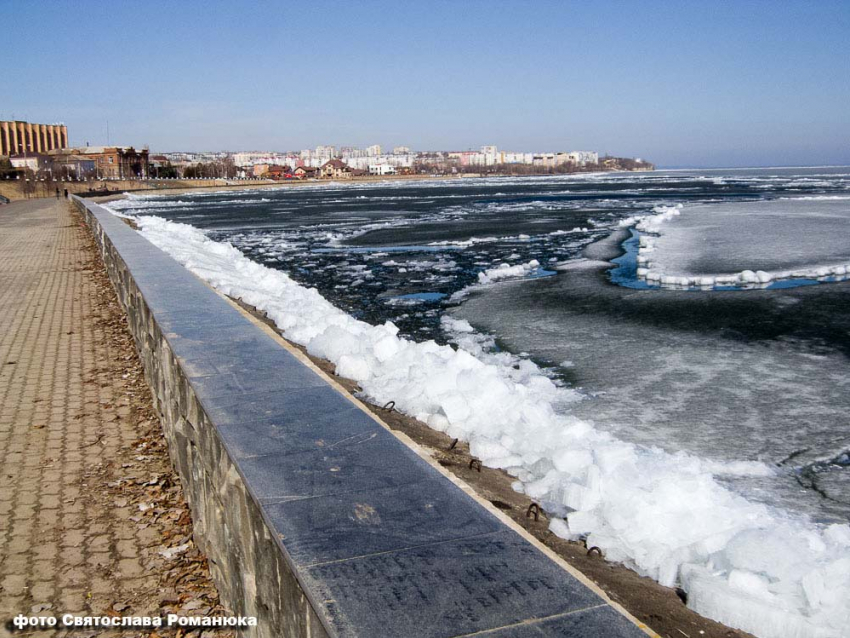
x=665 y=515
x=506 y=271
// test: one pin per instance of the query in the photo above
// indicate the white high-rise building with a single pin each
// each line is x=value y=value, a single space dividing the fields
x=358 y=163
x=373 y=150
x=515 y=158
x=488 y=157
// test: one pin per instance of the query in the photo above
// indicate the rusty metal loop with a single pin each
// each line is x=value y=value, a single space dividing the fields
x=595 y=550
x=389 y=405
x=533 y=509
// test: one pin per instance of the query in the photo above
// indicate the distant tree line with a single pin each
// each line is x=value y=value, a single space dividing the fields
x=221 y=169
x=163 y=172
x=7 y=171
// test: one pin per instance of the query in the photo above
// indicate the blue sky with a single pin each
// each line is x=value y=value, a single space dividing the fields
x=680 y=83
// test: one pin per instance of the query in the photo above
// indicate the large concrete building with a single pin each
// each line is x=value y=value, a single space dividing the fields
x=21 y=138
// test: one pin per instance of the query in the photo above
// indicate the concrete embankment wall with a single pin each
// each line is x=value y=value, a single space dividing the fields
x=315 y=517
x=14 y=189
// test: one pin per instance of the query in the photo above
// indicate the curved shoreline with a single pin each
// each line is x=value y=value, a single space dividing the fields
x=453 y=406
x=448 y=388
x=660 y=606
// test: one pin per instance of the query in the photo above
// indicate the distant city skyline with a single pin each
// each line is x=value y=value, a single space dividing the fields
x=680 y=84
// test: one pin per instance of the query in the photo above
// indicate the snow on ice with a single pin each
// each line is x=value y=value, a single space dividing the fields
x=506 y=271
x=768 y=240
x=665 y=515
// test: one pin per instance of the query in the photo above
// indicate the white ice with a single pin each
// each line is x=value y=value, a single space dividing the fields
x=745 y=243
x=506 y=271
x=665 y=515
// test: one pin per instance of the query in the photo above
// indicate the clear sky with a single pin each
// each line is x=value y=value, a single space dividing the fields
x=682 y=83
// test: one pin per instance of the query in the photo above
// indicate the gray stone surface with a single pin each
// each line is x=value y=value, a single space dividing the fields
x=350 y=525
x=314 y=418
x=366 y=462
x=596 y=622
x=315 y=518
x=466 y=585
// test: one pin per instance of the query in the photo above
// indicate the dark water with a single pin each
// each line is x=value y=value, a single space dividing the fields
x=398 y=250
x=756 y=375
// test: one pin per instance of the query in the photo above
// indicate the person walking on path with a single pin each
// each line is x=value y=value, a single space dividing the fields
x=57 y=193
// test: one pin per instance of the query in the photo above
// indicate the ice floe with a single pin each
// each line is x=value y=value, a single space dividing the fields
x=744 y=244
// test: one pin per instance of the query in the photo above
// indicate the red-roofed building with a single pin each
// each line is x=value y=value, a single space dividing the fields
x=278 y=172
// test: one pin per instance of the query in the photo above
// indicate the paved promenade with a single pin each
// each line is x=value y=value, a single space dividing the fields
x=92 y=519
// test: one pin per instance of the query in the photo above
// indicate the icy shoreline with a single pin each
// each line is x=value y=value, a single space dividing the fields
x=665 y=515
